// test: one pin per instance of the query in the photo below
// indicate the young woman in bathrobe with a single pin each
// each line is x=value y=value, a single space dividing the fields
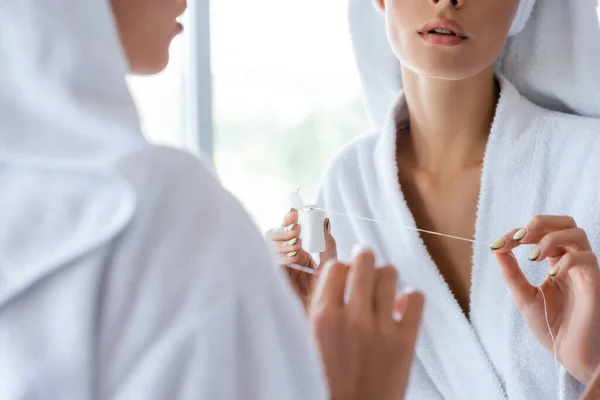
x=464 y=154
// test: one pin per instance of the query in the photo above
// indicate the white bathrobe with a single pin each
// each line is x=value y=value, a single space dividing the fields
x=536 y=162
x=126 y=270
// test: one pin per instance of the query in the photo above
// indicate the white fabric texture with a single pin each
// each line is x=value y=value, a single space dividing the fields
x=529 y=169
x=126 y=270
x=521 y=16
x=553 y=61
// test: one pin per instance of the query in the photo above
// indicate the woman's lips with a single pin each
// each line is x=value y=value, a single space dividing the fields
x=444 y=32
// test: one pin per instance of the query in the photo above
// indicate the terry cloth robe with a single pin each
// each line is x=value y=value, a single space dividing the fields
x=534 y=164
x=127 y=272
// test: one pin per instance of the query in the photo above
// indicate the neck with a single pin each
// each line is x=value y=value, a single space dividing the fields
x=449 y=120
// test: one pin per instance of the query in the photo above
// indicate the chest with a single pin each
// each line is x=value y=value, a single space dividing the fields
x=448 y=207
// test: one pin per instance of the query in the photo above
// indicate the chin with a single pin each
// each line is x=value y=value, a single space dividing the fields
x=445 y=74
x=447 y=63
x=150 y=65
x=447 y=69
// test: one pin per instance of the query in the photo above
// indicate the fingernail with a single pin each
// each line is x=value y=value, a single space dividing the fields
x=520 y=235
x=535 y=254
x=329 y=264
x=291 y=227
x=406 y=290
x=293 y=242
x=358 y=248
x=291 y=210
x=498 y=244
x=553 y=271
x=328 y=225
x=292 y=254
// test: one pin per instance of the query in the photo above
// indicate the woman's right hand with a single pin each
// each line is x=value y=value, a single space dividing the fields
x=366 y=334
x=288 y=247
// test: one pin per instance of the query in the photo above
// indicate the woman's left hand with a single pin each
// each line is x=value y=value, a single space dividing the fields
x=572 y=290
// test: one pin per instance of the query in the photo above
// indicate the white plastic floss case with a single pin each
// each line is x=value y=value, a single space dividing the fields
x=312 y=234
x=311 y=220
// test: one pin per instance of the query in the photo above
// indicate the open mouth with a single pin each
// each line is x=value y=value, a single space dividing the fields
x=442 y=31
x=443 y=28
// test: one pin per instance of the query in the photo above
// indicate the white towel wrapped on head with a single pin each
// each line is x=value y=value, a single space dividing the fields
x=554 y=61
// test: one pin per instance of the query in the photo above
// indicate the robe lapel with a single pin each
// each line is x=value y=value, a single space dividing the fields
x=448 y=345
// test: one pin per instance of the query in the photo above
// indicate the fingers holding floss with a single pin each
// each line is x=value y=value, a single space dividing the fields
x=314 y=240
x=312 y=235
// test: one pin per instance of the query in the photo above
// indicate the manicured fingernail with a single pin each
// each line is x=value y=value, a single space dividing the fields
x=293 y=242
x=328 y=225
x=358 y=248
x=553 y=271
x=498 y=244
x=520 y=235
x=291 y=210
x=292 y=254
x=404 y=291
x=535 y=254
x=328 y=265
x=291 y=227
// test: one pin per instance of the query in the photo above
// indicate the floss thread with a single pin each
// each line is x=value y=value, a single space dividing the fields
x=315 y=272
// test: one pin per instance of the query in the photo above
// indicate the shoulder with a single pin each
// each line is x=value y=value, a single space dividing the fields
x=552 y=128
x=353 y=159
x=181 y=187
x=571 y=128
x=564 y=137
x=167 y=167
x=182 y=206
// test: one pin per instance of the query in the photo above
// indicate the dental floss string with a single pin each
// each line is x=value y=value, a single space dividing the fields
x=549 y=328
x=302 y=269
x=315 y=272
x=412 y=229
